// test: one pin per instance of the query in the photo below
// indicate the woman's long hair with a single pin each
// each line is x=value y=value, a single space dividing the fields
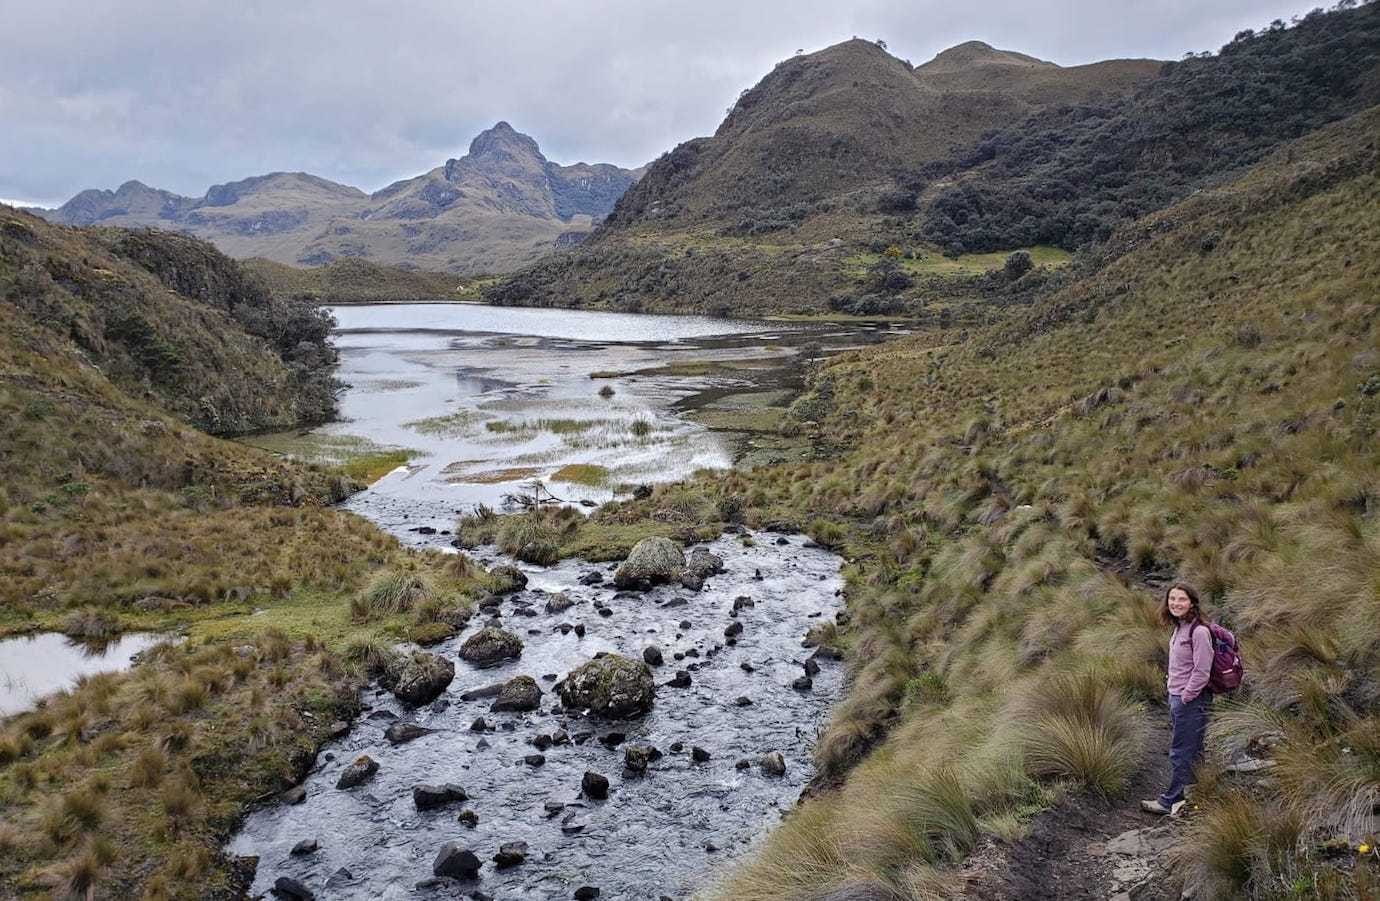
x=1194 y=612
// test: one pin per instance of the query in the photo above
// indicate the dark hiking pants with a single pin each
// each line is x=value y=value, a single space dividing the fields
x=1189 y=722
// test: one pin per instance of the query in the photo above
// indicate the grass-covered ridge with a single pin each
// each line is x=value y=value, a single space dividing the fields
x=1204 y=406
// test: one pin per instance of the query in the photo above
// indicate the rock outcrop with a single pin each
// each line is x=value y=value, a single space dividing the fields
x=652 y=561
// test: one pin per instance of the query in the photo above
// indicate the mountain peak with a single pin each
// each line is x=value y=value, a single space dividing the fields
x=502 y=140
x=972 y=54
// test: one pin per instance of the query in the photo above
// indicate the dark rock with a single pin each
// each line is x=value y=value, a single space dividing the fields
x=743 y=701
x=611 y=685
x=560 y=737
x=552 y=807
x=747 y=667
x=295 y=795
x=704 y=564
x=772 y=764
x=430 y=797
x=605 y=611
x=456 y=862
x=733 y=630
x=691 y=581
x=803 y=683
x=507 y=579
x=305 y=846
x=559 y=603
x=361 y=771
x=699 y=755
x=490 y=646
x=612 y=739
x=519 y=693
x=642 y=492
x=686 y=624
x=479 y=725
x=681 y=680
x=651 y=655
x=418 y=678
x=339 y=729
x=592 y=578
x=580 y=630
x=482 y=745
x=811 y=667
x=586 y=893
x=572 y=825
x=742 y=602
x=485 y=691
x=382 y=715
x=510 y=854
x=468 y=818
x=742 y=764
x=287 y=887
x=540 y=742
x=535 y=760
x=594 y=786
x=400 y=732
x=638 y=757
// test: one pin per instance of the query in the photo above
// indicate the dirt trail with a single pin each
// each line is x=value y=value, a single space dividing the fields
x=1088 y=847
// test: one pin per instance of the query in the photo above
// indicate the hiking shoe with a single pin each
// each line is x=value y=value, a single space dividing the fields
x=1155 y=807
x=1176 y=807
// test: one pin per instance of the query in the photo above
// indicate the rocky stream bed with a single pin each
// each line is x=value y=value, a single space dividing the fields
x=691 y=784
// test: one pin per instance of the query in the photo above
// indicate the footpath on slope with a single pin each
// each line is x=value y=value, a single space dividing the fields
x=1089 y=847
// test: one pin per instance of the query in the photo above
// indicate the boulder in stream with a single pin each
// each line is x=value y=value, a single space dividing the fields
x=430 y=797
x=456 y=862
x=418 y=678
x=772 y=764
x=510 y=854
x=559 y=603
x=519 y=693
x=610 y=685
x=507 y=579
x=490 y=646
x=400 y=732
x=361 y=771
x=652 y=561
x=651 y=655
x=287 y=887
x=594 y=785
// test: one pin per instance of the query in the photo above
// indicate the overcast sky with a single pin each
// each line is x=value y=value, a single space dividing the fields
x=183 y=94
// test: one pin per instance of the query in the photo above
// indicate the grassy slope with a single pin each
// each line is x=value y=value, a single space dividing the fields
x=117 y=514
x=357 y=281
x=995 y=499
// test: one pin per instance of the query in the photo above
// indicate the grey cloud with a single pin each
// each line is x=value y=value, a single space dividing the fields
x=184 y=94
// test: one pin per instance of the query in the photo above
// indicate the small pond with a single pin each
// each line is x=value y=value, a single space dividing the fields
x=34 y=666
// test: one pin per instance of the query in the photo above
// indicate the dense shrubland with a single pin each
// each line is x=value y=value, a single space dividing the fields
x=1070 y=176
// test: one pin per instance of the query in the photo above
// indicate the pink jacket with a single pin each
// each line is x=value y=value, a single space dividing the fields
x=1190 y=659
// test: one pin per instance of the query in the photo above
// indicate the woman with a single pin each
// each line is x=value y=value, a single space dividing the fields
x=1190 y=667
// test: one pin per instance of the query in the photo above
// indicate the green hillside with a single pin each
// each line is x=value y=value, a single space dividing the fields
x=1202 y=404
x=119 y=351
x=838 y=154
x=359 y=281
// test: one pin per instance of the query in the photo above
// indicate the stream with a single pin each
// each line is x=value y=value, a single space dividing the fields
x=488 y=400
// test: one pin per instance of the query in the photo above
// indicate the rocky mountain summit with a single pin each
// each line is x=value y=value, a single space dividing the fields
x=500 y=205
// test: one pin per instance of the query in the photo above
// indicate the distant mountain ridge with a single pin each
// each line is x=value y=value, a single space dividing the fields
x=500 y=206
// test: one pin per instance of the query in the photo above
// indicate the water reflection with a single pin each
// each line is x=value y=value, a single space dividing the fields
x=35 y=666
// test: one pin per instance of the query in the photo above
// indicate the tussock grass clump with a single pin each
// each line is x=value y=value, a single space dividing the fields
x=389 y=594
x=1080 y=726
x=90 y=624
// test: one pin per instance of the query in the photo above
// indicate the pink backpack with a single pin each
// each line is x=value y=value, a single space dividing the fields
x=1227 y=668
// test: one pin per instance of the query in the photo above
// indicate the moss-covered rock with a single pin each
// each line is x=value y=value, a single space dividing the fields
x=651 y=561
x=610 y=685
x=490 y=646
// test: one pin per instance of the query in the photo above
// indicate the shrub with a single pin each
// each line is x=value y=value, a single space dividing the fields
x=1081 y=726
x=148 y=768
x=390 y=593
